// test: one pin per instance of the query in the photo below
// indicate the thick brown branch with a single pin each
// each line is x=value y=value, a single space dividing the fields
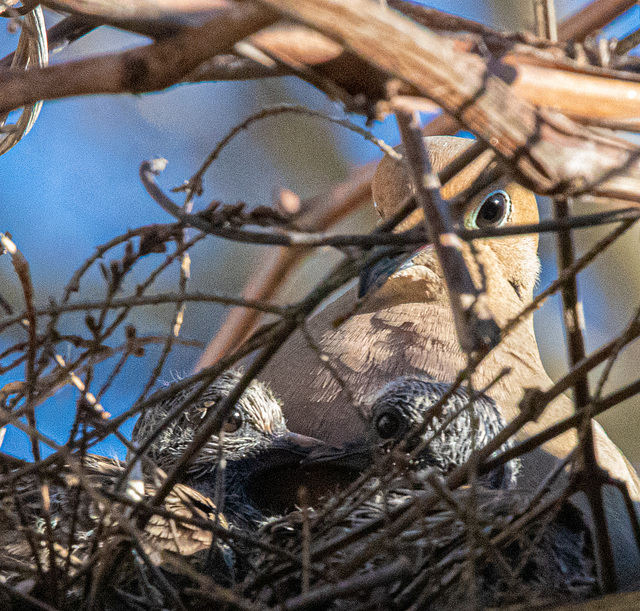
x=149 y=68
x=546 y=83
x=551 y=152
x=548 y=80
x=152 y=10
x=591 y=479
x=592 y=17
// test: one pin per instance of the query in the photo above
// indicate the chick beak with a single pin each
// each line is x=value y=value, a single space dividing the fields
x=355 y=456
x=293 y=462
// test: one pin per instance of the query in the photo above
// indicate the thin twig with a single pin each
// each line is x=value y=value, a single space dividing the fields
x=474 y=322
x=590 y=475
x=194 y=184
x=383 y=576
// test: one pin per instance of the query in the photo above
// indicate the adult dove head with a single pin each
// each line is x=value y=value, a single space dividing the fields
x=506 y=268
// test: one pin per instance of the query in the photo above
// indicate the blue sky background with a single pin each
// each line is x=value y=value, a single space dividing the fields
x=72 y=184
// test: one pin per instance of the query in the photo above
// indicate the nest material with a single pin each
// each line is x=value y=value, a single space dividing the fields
x=87 y=540
x=74 y=525
x=86 y=536
x=546 y=560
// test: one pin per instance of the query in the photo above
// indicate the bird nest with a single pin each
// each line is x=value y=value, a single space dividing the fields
x=435 y=503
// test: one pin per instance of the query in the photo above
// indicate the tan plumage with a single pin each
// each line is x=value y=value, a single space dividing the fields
x=406 y=328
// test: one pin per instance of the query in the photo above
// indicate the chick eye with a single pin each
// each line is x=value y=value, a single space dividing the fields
x=387 y=425
x=494 y=210
x=233 y=422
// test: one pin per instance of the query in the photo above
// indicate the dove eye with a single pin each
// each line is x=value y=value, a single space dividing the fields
x=388 y=425
x=233 y=422
x=493 y=211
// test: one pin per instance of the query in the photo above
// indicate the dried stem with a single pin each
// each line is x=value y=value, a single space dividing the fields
x=590 y=476
x=475 y=325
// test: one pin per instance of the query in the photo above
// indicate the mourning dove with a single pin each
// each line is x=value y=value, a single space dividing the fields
x=224 y=488
x=405 y=327
x=265 y=463
x=415 y=442
x=441 y=437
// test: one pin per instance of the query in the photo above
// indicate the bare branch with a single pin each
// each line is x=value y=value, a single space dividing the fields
x=149 y=68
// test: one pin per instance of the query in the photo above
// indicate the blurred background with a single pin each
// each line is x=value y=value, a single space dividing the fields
x=72 y=184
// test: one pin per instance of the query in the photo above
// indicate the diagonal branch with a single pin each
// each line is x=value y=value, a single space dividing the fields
x=590 y=476
x=549 y=152
x=139 y=70
x=475 y=325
